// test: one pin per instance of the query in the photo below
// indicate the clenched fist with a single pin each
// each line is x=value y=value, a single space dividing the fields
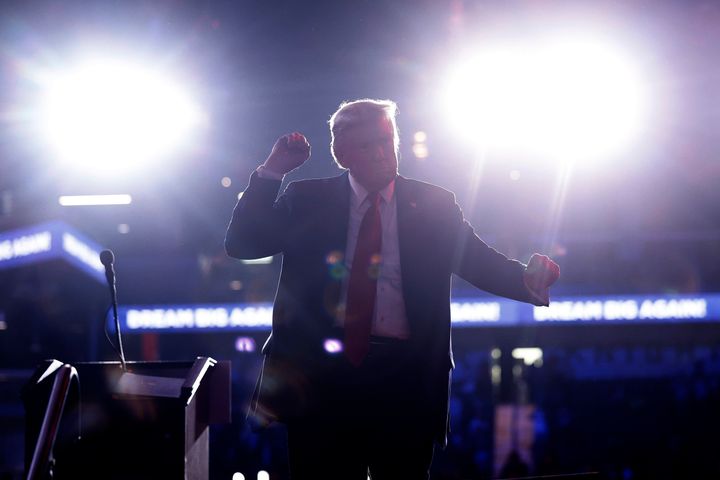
x=541 y=272
x=289 y=152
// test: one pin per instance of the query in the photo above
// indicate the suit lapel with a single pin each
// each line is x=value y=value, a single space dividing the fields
x=334 y=224
x=337 y=210
x=409 y=239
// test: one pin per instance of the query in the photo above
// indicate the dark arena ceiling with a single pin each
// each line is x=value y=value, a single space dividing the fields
x=259 y=69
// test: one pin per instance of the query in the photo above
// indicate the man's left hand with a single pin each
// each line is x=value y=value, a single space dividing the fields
x=541 y=272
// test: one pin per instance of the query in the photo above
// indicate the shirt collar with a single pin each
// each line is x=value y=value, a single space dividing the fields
x=359 y=192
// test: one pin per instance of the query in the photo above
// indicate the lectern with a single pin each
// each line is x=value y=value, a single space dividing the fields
x=148 y=422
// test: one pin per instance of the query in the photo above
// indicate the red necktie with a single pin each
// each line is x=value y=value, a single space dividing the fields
x=362 y=287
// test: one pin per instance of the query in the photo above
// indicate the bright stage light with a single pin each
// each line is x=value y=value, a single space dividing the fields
x=112 y=117
x=87 y=200
x=566 y=99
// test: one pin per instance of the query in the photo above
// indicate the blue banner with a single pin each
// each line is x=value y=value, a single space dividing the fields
x=465 y=312
x=48 y=241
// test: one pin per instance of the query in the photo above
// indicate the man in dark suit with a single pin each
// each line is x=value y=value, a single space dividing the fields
x=359 y=360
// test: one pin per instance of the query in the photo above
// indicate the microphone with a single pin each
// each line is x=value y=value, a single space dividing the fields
x=107 y=258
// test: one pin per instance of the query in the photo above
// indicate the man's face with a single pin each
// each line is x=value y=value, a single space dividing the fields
x=368 y=151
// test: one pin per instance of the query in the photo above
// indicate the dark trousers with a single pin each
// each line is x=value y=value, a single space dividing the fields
x=371 y=418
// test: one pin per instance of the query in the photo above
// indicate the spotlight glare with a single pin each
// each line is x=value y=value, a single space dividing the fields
x=333 y=345
x=88 y=200
x=110 y=116
x=420 y=151
x=245 y=344
x=529 y=355
x=563 y=98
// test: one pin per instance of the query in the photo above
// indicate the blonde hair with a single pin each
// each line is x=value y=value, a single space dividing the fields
x=358 y=112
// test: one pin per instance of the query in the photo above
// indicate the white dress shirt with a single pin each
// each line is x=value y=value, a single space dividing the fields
x=389 y=318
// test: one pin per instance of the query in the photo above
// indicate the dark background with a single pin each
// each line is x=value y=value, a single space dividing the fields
x=644 y=222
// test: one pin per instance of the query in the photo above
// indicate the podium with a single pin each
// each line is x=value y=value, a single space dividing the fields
x=149 y=422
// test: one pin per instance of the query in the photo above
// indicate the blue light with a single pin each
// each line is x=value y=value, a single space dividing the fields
x=466 y=312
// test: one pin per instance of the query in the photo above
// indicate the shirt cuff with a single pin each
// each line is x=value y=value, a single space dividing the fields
x=264 y=172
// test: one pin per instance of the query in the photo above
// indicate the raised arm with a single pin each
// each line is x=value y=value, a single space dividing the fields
x=259 y=222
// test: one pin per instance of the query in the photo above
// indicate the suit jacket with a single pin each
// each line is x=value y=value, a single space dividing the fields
x=308 y=224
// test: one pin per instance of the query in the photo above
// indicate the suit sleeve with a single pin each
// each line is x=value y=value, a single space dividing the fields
x=482 y=265
x=259 y=222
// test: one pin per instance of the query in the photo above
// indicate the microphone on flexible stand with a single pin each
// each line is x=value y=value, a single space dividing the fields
x=107 y=258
